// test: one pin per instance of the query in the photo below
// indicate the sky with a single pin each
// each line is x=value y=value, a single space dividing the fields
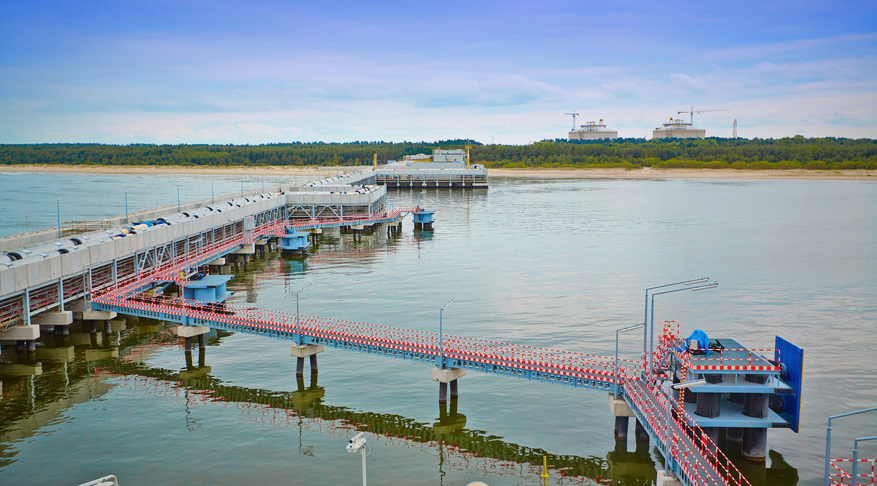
x=188 y=71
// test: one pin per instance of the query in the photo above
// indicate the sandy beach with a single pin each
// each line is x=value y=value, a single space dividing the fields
x=645 y=173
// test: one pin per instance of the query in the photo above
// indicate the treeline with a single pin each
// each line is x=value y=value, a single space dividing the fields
x=713 y=153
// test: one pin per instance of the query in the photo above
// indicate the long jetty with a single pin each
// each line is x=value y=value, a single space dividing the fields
x=130 y=269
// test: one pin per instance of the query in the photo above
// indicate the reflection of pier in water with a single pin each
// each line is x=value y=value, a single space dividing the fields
x=458 y=447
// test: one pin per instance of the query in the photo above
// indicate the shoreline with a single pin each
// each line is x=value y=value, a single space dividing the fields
x=535 y=173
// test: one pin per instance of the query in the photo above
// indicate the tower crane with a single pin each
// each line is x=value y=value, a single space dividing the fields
x=692 y=111
x=574 y=115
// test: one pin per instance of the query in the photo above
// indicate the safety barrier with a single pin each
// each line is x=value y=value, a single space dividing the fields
x=697 y=455
x=846 y=478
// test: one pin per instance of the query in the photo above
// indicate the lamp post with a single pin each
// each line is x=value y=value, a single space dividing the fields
x=178 y=198
x=828 y=440
x=441 y=341
x=242 y=187
x=623 y=329
x=297 y=328
x=58 y=204
x=212 y=197
x=646 y=316
x=127 y=218
x=652 y=321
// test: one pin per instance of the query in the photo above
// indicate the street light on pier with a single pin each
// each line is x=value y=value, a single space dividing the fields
x=441 y=341
x=623 y=329
x=297 y=328
x=652 y=321
x=646 y=316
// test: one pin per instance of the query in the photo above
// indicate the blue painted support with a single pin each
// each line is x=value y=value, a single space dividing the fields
x=209 y=289
x=423 y=218
x=296 y=242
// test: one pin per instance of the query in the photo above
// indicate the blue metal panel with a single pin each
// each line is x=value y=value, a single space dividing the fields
x=791 y=358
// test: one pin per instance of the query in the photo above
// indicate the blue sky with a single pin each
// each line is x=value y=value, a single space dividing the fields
x=188 y=71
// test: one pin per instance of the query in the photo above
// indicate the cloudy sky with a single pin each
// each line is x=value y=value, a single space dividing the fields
x=189 y=71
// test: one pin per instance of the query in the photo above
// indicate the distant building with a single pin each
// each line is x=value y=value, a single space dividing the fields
x=677 y=128
x=440 y=159
x=593 y=131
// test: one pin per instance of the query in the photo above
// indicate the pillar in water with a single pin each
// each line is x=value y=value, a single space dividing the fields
x=754 y=444
x=454 y=389
x=299 y=366
x=314 y=363
x=188 y=342
x=201 y=344
x=443 y=392
x=641 y=434
x=621 y=424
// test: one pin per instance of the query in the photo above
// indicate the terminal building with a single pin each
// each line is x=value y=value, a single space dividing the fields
x=593 y=131
x=444 y=168
x=677 y=128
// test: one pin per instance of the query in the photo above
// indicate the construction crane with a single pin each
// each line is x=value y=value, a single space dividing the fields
x=692 y=111
x=574 y=115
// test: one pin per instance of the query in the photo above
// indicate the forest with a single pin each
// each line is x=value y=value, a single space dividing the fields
x=711 y=153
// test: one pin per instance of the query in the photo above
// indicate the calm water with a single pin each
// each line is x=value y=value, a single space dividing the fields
x=557 y=264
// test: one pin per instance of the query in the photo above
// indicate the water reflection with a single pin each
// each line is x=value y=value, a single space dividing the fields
x=65 y=371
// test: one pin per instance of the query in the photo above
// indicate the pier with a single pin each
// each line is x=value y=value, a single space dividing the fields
x=130 y=270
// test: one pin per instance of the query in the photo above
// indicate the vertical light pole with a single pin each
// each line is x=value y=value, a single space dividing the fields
x=646 y=316
x=127 y=218
x=178 y=198
x=212 y=197
x=242 y=187
x=297 y=328
x=623 y=329
x=652 y=323
x=263 y=182
x=58 y=203
x=441 y=341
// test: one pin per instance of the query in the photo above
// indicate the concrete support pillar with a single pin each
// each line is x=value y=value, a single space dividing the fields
x=734 y=437
x=667 y=479
x=621 y=424
x=201 y=344
x=754 y=446
x=108 y=329
x=708 y=404
x=444 y=377
x=31 y=346
x=65 y=330
x=93 y=327
x=302 y=352
x=188 y=332
x=20 y=346
x=641 y=434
